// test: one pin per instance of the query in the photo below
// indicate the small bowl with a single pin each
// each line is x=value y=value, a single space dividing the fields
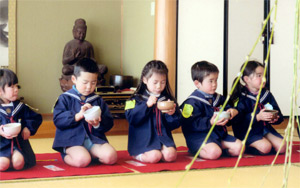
x=165 y=106
x=224 y=114
x=273 y=112
x=92 y=113
x=12 y=129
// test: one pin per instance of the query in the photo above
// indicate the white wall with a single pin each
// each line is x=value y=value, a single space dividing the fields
x=281 y=66
x=200 y=37
x=245 y=23
x=138 y=36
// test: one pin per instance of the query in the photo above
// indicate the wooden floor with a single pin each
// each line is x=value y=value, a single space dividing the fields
x=245 y=177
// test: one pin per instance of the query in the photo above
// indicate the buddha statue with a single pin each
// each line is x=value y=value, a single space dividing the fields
x=76 y=49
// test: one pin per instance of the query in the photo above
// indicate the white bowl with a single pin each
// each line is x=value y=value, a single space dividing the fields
x=92 y=113
x=224 y=114
x=12 y=129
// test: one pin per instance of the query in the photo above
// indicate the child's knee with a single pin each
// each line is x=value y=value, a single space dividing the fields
x=79 y=162
x=236 y=150
x=152 y=156
x=110 y=158
x=170 y=156
x=211 y=153
x=264 y=147
x=83 y=162
x=4 y=163
x=282 y=150
x=17 y=160
x=18 y=164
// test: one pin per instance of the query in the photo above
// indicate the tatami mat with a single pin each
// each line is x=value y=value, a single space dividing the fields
x=245 y=177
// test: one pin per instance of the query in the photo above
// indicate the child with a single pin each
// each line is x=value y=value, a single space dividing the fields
x=150 y=138
x=15 y=152
x=77 y=139
x=198 y=115
x=262 y=136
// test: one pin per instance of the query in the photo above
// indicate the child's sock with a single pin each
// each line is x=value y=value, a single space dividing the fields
x=139 y=157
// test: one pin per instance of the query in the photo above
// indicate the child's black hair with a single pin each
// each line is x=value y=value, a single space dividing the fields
x=7 y=77
x=85 y=65
x=154 y=66
x=249 y=69
x=201 y=69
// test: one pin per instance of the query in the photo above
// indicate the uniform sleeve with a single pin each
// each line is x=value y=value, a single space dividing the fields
x=245 y=113
x=63 y=116
x=107 y=120
x=197 y=121
x=31 y=120
x=173 y=121
x=138 y=112
x=276 y=107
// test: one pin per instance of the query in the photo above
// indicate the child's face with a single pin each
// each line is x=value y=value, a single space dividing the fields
x=156 y=83
x=85 y=83
x=10 y=93
x=254 y=80
x=209 y=83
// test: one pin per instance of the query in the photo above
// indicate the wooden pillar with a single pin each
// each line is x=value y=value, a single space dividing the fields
x=165 y=36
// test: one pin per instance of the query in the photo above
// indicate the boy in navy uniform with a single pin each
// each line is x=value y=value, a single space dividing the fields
x=198 y=115
x=77 y=139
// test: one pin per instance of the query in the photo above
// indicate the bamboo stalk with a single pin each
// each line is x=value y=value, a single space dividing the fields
x=188 y=167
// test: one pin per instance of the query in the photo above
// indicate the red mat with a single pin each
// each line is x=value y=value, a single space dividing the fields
x=51 y=165
x=184 y=158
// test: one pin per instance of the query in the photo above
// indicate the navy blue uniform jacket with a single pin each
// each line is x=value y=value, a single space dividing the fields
x=149 y=128
x=245 y=107
x=71 y=133
x=196 y=127
x=28 y=118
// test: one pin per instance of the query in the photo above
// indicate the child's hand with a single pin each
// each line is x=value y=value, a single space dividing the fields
x=233 y=112
x=79 y=116
x=94 y=122
x=264 y=116
x=151 y=101
x=26 y=133
x=2 y=133
x=172 y=111
x=274 y=120
x=220 y=122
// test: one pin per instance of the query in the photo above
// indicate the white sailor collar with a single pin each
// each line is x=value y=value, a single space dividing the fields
x=17 y=106
x=199 y=96
x=81 y=98
x=146 y=96
x=264 y=95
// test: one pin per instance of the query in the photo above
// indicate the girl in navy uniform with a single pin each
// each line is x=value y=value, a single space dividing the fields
x=77 y=139
x=262 y=136
x=198 y=115
x=150 y=139
x=15 y=152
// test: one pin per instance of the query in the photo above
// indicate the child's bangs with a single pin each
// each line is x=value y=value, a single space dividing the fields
x=8 y=78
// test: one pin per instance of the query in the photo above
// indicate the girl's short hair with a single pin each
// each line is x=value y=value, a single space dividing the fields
x=202 y=69
x=7 y=77
x=85 y=65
